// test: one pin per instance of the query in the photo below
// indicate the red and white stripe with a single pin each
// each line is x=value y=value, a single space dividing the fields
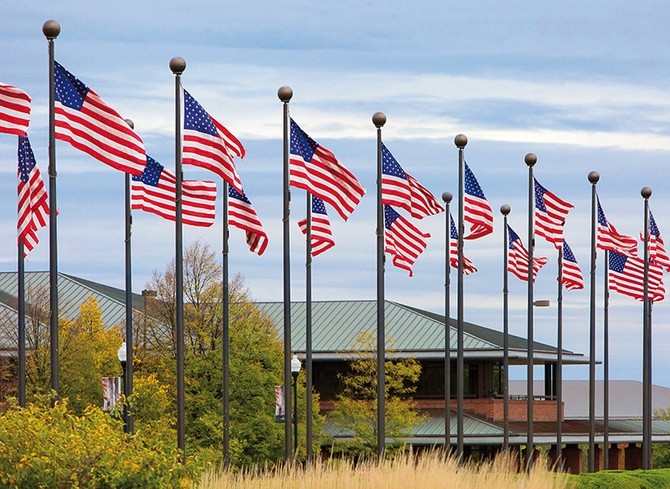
x=14 y=110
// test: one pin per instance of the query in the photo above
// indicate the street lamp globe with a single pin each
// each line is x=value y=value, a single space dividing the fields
x=122 y=353
x=296 y=365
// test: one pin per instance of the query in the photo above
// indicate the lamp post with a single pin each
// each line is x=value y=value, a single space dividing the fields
x=122 y=354
x=296 y=365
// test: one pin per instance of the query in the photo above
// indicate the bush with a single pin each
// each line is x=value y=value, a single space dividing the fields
x=45 y=447
x=622 y=479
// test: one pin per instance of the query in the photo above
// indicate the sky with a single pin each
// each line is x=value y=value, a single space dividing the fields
x=580 y=84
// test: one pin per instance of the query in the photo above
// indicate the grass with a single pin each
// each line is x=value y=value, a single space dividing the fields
x=428 y=471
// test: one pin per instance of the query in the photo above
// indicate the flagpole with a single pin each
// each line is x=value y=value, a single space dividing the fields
x=593 y=177
x=22 y=325
x=505 y=209
x=178 y=65
x=606 y=363
x=225 y=333
x=308 y=329
x=285 y=93
x=646 y=343
x=379 y=119
x=51 y=29
x=128 y=425
x=559 y=362
x=530 y=160
x=447 y=197
x=460 y=141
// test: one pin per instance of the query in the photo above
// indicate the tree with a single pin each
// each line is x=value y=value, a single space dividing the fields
x=256 y=360
x=660 y=452
x=356 y=408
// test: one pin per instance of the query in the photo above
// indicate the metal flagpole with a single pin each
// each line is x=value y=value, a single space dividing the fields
x=559 y=363
x=379 y=119
x=51 y=29
x=178 y=65
x=606 y=364
x=128 y=381
x=593 y=177
x=308 y=330
x=285 y=93
x=446 y=197
x=530 y=160
x=22 y=325
x=646 y=343
x=225 y=334
x=505 y=210
x=460 y=141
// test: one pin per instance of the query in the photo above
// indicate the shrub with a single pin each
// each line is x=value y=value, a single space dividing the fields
x=45 y=447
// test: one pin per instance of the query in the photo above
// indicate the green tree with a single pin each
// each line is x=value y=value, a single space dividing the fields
x=356 y=408
x=256 y=361
x=660 y=452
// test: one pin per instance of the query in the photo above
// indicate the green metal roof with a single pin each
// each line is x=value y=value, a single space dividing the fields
x=336 y=325
x=72 y=291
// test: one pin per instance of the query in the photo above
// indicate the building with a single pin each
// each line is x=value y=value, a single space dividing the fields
x=415 y=333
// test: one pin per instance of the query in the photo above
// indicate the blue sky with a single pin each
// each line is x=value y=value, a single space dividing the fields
x=582 y=85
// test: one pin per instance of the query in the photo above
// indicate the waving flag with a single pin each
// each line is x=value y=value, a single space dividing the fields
x=85 y=121
x=208 y=144
x=317 y=170
x=657 y=252
x=402 y=240
x=477 y=210
x=468 y=266
x=33 y=200
x=403 y=190
x=626 y=276
x=572 y=274
x=243 y=216
x=14 y=110
x=155 y=192
x=550 y=214
x=609 y=238
x=322 y=238
x=517 y=257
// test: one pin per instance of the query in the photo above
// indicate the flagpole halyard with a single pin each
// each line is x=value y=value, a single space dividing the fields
x=646 y=342
x=285 y=94
x=460 y=141
x=593 y=177
x=51 y=30
x=530 y=159
x=379 y=119
x=128 y=424
x=177 y=66
x=447 y=197
x=505 y=209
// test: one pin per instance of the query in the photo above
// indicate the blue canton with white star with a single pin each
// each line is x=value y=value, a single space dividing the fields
x=196 y=118
x=390 y=166
x=69 y=91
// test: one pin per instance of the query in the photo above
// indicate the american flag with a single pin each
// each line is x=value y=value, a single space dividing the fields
x=572 y=275
x=33 y=209
x=402 y=240
x=468 y=266
x=657 y=252
x=608 y=238
x=322 y=237
x=477 y=210
x=208 y=144
x=85 y=121
x=155 y=190
x=317 y=170
x=550 y=214
x=517 y=257
x=14 y=110
x=243 y=216
x=626 y=276
x=403 y=190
